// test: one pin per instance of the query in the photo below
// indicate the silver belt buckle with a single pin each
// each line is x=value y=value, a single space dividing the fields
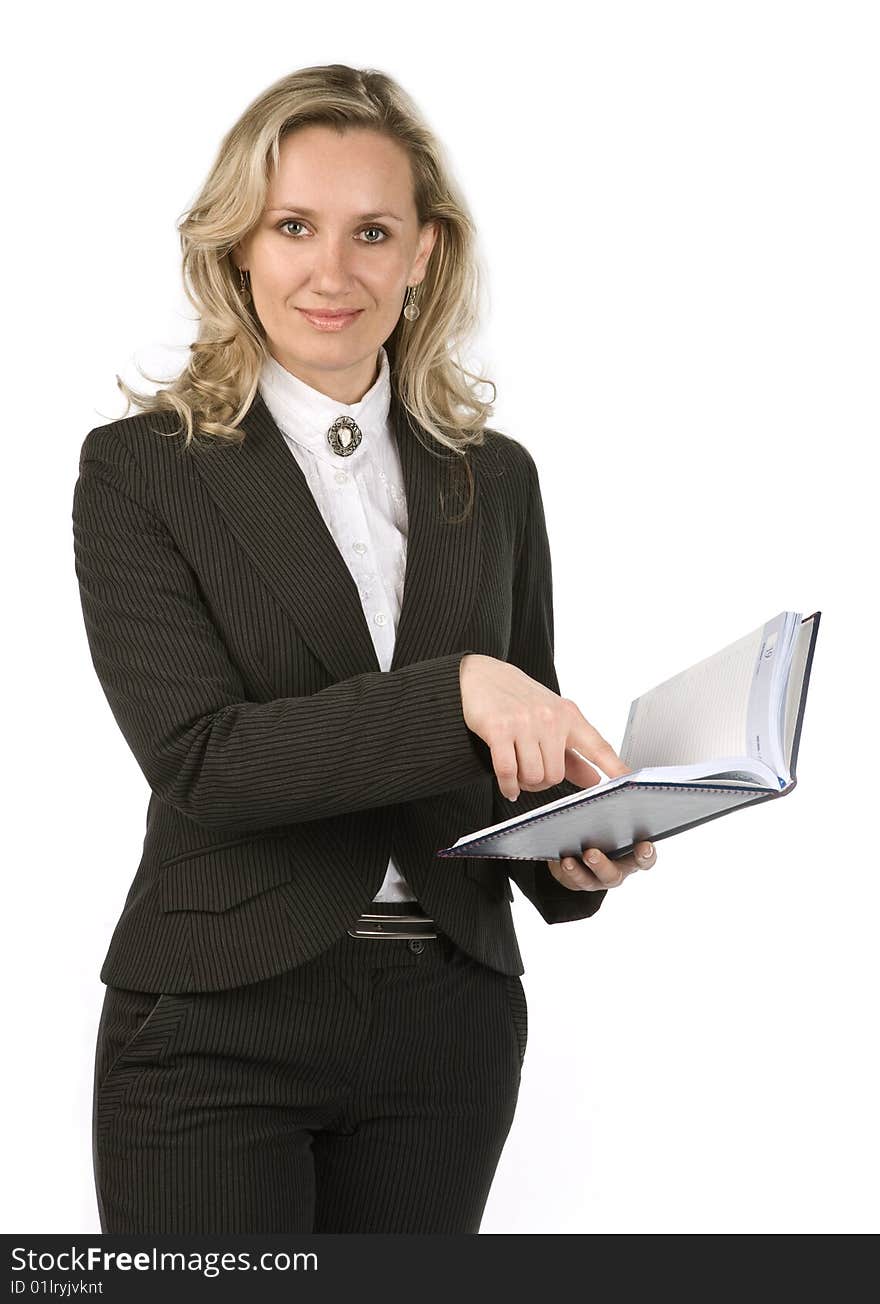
x=372 y=925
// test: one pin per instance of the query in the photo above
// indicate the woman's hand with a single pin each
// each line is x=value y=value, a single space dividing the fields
x=531 y=730
x=532 y=733
x=582 y=874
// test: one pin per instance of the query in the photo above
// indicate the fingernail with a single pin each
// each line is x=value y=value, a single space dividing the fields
x=646 y=855
x=593 y=857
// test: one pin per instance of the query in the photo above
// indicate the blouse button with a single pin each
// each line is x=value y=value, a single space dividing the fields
x=360 y=547
x=380 y=618
x=341 y=477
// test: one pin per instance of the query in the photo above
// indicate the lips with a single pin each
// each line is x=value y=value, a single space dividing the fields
x=330 y=323
x=324 y=315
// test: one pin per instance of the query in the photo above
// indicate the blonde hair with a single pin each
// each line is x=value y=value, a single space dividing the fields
x=216 y=388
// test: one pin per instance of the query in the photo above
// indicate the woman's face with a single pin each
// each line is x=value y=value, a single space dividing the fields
x=339 y=231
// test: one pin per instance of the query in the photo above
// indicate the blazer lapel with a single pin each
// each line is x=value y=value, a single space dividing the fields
x=443 y=558
x=266 y=502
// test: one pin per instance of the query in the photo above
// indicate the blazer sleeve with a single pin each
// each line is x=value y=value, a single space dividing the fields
x=532 y=650
x=379 y=738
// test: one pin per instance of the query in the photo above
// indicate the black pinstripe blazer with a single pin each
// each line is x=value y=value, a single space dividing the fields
x=284 y=766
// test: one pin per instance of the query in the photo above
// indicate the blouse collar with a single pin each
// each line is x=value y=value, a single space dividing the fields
x=305 y=415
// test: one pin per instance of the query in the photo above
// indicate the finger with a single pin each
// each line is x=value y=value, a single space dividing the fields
x=572 y=873
x=504 y=764
x=530 y=765
x=590 y=744
x=645 y=854
x=553 y=767
x=642 y=856
x=578 y=769
x=609 y=872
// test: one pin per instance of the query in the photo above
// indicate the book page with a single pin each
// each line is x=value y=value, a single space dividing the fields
x=698 y=713
x=803 y=635
x=764 y=726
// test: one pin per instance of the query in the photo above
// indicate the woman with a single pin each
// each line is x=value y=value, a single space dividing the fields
x=311 y=1022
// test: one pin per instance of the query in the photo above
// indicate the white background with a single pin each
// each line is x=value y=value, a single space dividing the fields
x=678 y=215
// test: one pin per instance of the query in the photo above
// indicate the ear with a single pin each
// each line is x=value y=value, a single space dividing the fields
x=427 y=240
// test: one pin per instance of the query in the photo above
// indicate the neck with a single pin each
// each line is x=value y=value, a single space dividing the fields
x=347 y=385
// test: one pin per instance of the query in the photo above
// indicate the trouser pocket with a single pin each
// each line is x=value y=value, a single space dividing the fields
x=516 y=1000
x=136 y=1028
x=124 y=1017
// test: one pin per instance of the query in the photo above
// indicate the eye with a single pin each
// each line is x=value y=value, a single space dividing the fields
x=293 y=221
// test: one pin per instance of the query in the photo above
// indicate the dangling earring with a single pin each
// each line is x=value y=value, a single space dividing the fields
x=243 y=281
x=410 y=307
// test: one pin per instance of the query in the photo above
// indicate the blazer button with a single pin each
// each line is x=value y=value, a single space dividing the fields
x=416 y=944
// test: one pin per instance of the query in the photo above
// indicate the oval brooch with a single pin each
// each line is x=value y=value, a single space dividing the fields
x=344 y=447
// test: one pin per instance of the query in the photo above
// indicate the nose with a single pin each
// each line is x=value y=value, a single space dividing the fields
x=332 y=259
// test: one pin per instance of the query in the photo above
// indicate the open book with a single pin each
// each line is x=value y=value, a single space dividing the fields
x=718 y=736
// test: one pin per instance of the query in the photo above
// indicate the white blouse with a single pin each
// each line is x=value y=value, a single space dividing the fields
x=361 y=498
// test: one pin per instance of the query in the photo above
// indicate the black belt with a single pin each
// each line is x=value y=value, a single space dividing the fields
x=378 y=925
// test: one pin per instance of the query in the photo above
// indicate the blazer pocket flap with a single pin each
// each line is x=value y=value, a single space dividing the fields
x=216 y=878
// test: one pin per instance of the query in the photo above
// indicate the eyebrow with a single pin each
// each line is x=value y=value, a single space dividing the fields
x=310 y=212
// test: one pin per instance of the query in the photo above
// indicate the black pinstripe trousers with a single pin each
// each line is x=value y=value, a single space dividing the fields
x=371 y=1089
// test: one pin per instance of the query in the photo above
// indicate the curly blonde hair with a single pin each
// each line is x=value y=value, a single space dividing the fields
x=216 y=388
